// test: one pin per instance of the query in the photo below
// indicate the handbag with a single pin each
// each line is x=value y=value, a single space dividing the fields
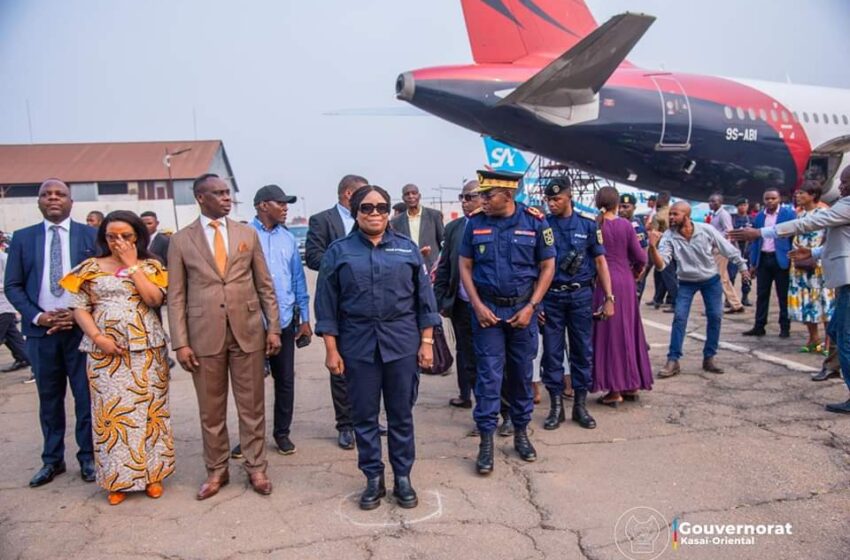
x=809 y=264
x=443 y=359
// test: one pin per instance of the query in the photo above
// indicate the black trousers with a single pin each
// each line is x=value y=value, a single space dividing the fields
x=11 y=336
x=282 y=366
x=342 y=404
x=767 y=274
x=464 y=352
x=57 y=362
x=666 y=284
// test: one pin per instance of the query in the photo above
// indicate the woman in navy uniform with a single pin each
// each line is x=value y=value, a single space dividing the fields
x=507 y=260
x=376 y=310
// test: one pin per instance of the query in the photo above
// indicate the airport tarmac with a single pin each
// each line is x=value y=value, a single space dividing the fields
x=746 y=451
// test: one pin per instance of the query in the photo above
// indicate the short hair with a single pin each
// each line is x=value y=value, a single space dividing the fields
x=408 y=186
x=149 y=214
x=199 y=182
x=812 y=187
x=349 y=182
x=399 y=207
x=772 y=189
x=608 y=198
x=663 y=199
x=718 y=195
x=97 y=213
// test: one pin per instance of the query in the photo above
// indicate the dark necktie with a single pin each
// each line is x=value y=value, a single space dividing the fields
x=55 y=262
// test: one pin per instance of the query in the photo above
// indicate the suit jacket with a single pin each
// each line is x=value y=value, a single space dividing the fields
x=202 y=302
x=430 y=231
x=447 y=279
x=783 y=245
x=25 y=267
x=324 y=228
x=835 y=258
x=159 y=248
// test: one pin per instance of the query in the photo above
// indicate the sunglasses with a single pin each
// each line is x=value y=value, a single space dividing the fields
x=368 y=208
x=487 y=195
x=467 y=197
x=112 y=238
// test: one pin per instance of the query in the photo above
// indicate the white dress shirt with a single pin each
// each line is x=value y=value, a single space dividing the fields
x=46 y=300
x=347 y=218
x=209 y=232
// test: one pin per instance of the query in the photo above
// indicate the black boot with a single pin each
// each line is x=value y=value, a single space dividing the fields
x=523 y=445
x=556 y=411
x=375 y=490
x=580 y=414
x=484 y=464
x=404 y=493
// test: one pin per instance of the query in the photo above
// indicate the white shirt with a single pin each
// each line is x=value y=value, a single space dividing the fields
x=347 y=218
x=46 y=300
x=414 y=222
x=209 y=232
x=5 y=306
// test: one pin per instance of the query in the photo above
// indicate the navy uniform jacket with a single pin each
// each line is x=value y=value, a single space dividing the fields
x=369 y=295
x=506 y=251
x=580 y=234
x=640 y=231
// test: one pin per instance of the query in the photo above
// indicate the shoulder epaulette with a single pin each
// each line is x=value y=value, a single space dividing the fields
x=586 y=215
x=537 y=214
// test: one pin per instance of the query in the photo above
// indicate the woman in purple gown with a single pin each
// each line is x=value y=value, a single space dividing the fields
x=621 y=359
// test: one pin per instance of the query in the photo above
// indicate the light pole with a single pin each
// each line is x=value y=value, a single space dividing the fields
x=167 y=162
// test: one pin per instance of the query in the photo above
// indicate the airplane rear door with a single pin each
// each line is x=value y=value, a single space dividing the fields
x=676 y=120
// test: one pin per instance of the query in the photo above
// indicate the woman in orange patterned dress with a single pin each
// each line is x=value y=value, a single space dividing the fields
x=115 y=297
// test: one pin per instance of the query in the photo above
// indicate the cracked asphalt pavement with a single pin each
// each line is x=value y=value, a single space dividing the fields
x=751 y=446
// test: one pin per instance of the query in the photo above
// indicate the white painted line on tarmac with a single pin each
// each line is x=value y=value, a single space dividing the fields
x=790 y=364
x=396 y=523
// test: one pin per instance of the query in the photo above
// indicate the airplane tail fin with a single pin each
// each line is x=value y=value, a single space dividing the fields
x=504 y=31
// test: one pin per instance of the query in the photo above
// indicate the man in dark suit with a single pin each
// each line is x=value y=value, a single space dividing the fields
x=769 y=259
x=40 y=255
x=452 y=300
x=326 y=227
x=423 y=225
x=158 y=244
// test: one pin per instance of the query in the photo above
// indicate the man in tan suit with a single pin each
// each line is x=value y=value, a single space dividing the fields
x=219 y=289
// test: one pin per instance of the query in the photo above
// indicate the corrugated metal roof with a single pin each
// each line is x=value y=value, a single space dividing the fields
x=104 y=161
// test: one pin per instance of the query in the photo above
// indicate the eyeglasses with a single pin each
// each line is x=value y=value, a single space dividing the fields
x=368 y=208
x=467 y=197
x=112 y=238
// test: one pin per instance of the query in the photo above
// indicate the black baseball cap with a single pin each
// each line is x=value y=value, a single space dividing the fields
x=556 y=185
x=273 y=193
x=628 y=198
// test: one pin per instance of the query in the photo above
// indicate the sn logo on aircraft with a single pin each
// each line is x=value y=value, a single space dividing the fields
x=502 y=157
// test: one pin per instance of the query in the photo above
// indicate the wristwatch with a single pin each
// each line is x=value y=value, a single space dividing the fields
x=427 y=340
x=611 y=298
x=534 y=305
x=132 y=270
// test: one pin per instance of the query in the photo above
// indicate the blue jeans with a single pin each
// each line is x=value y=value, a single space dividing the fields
x=839 y=329
x=712 y=297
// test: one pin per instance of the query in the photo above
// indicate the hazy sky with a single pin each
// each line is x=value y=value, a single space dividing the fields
x=261 y=75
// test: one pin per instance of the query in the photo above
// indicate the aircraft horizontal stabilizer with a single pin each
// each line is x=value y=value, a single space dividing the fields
x=576 y=76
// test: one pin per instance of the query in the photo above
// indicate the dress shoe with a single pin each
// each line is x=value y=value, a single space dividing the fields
x=523 y=446
x=375 y=490
x=87 y=472
x=669 y=309
x=285 y=445
x=755 y=331
x=731 y=310
x=461 y=403
x=507 y=428
x=154 y=490
x=484 y=462
x=826 y=373
x=382 y=430
x=236 y=452
x=785 y=333
x=654 y=304
x=212 y=485
x=260 y=483
x=556 y=411
x=709 y=366
x=404 y=493
x=841 y=408
x=46 y=474
x=18 y=364
x=115 y=498
x=670 y=369
x=580 y=414
x=746 y=302
x=346 y=438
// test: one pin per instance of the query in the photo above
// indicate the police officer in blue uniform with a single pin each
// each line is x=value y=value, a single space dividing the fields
x=376 y=310
x=628 y=203
x=507 y=260
x=568 y=304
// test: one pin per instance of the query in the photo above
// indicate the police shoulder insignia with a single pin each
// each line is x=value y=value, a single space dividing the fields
x=537 y=214
x=548 y=237
x=599 y=236
x=586 y=215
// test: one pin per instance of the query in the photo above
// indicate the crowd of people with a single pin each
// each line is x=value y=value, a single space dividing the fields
x=552 y=296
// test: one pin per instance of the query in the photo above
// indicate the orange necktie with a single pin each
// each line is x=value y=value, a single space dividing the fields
x=220 y=253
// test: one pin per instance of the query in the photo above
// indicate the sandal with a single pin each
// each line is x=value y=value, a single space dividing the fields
x=609 y=400
x=810 y=348
x=630 y=396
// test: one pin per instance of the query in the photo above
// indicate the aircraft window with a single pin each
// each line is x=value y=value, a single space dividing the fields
x=784 y=116
x=763 y=114
x=740 y=113
x=795 y=116
x=825 y=118
x=835 y=118
x=728 y=112
x=815 y=118
x=773 y=115
x=805 y=117
x=844 y=119
x=751 y=113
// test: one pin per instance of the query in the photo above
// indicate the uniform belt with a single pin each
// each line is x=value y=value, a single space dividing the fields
x=506 y=301
x=571 y=287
